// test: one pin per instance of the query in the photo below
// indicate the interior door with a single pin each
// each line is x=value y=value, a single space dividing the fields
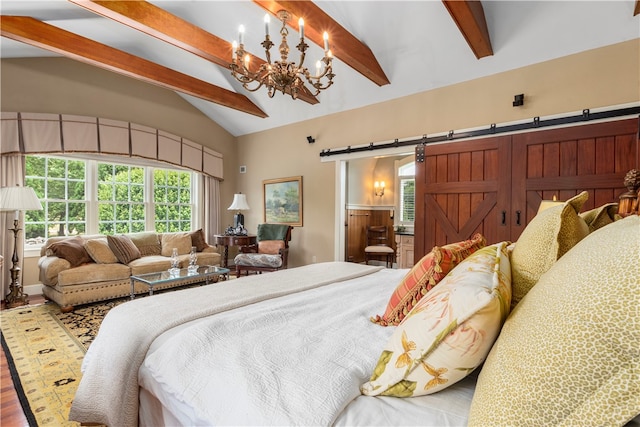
x=563 y=162
x=462 y=188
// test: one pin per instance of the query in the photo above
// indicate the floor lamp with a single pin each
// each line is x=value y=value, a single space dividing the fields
x=17 y=199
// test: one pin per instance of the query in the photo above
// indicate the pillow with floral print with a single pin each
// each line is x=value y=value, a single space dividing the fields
x=450 y=330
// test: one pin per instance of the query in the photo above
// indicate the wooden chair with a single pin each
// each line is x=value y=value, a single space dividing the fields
x=379 y=245
x=270 y=253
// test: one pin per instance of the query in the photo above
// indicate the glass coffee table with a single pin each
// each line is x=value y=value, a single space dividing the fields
x=207 y=274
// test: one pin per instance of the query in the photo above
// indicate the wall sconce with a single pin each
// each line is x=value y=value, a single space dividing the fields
x=378 y=188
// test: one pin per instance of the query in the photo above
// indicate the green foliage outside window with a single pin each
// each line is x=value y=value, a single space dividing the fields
x=120 y=200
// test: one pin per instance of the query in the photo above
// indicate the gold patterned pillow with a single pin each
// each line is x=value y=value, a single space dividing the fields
x=601 y=216
x=450 y=330
x=568 y=354
x=549 y=235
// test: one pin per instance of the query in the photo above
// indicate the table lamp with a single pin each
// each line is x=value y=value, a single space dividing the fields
x=17 y=199
x=239 y=204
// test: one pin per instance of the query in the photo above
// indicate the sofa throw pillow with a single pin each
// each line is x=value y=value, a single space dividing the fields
x=424 y=275
x=601 y=216
x=99 y=251
x=71 y=249
x=450 y=331
x=549 y=235
x=147 y=242
x=568 y=354
x=180 y=241
x=123 y=248
x=198 y=240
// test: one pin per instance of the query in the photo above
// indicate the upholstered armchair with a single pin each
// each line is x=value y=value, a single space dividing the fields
x=270 y=253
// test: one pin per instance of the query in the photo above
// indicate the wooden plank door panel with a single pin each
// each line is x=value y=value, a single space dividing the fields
x=461 y=189
x=563 y=162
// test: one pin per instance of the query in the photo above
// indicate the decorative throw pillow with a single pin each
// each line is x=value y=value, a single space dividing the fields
x=180 y=241
x=123 y=248
x=549 y=235
x=71 y=249
x=599 y=217
x=272 y=247
x=568 y=354
x=99 y=251
x=198 y=240
x=424 y=275
x=450 y=331
x=147 y=242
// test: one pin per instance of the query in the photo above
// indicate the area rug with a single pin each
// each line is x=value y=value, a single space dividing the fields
x=44 y=349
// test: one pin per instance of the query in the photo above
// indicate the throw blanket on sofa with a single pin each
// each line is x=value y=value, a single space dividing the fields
x=110 y=367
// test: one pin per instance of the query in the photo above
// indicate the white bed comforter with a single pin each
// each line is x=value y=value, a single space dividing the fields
x=108 y=391
x=295 y=360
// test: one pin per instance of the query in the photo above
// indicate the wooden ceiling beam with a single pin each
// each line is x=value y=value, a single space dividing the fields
x=156 y=22
x=469 y=17
x=45 y=36
x=636 y=10
x=344 y=45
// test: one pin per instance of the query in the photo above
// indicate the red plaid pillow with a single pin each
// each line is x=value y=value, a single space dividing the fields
x=424 y=275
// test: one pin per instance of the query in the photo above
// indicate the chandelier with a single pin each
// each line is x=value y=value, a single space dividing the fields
x=283 y=76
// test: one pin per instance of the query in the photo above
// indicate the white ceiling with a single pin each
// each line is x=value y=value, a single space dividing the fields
x=416 y=42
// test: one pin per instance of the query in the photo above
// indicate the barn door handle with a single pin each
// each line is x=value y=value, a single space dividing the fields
x=518 y=217
x=504 y=218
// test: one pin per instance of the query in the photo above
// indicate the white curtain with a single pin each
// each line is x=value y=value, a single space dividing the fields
x=11 y=174
x=211 y=193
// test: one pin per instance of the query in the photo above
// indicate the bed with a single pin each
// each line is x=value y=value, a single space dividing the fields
x=295 y=347
x=307 y=318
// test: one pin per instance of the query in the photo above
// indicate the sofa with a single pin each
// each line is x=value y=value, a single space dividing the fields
x=76 y=270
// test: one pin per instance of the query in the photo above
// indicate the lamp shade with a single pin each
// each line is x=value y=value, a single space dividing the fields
x=239 y=203
x=19 y=199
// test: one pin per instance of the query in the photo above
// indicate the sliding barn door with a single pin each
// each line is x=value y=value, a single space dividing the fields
x=494 y=186
x=462 y=188
x=563 y=162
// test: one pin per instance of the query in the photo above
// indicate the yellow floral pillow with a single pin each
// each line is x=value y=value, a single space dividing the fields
x=450 y=330
x=568 y=355
x=549 y=235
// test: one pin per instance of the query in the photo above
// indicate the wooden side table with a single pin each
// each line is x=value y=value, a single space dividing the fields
x=226 y=241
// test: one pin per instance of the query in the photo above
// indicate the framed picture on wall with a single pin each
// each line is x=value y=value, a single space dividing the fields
x=283 y=201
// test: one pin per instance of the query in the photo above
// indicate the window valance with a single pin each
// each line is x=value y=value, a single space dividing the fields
x=41 y=133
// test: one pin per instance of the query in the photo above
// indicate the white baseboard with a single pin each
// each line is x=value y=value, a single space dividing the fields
x=33 y=289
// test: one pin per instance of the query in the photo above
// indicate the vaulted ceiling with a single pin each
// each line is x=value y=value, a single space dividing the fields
x=383 y=49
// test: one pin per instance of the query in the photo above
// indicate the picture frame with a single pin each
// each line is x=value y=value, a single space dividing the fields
x=282 y=201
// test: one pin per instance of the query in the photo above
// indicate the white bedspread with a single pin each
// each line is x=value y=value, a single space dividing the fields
x=108 y=391
x=297 y=360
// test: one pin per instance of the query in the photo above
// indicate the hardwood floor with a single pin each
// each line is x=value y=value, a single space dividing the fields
x=11 y=413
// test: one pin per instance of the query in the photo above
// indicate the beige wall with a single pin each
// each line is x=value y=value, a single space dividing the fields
x=599 y=78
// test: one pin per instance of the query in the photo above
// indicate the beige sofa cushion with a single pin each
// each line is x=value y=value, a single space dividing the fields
x=568 y=355
x=149 y=264
x=180 y=241
x=49 y=267
x=148 y=242
x=98 y=250
x=90 y=273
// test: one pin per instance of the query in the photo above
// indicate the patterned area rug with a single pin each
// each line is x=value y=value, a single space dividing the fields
x=44 y=349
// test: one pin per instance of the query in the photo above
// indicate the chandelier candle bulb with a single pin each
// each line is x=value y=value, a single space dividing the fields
x=301 y=25
x=318 y=66
x=325 y=36
x=241 y=34
x=234 y=48
x=266 y=25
